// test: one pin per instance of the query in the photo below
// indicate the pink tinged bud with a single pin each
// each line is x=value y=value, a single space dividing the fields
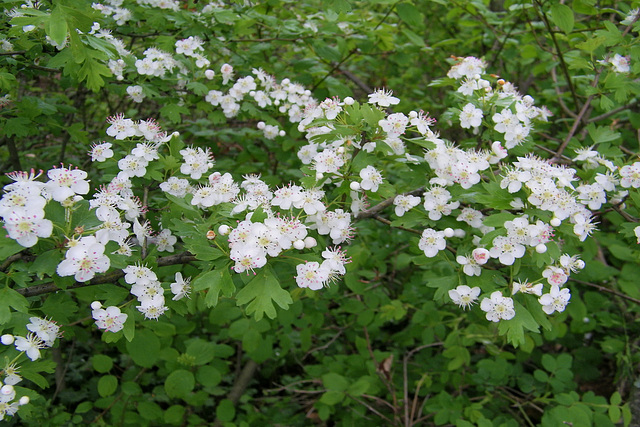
x=481 y=255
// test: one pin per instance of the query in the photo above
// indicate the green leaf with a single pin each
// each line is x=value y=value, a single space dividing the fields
x=18 y=126
x=602 y=134
x=225 y=410
x=179 y=383
x=215 y=282
x=11 y=298
x=93 y=72
x=144 y=349
x=327 y=52
x=261 y=292
x=101 y=363
x=198 y=88
x=57 y=27
x=335 y=382
x=562 y=16
x=410 y=15
x=172 y=112
x=413 y=37
x=174 y=415
x=7 y=81
x=514 y=328
x=30 y=371
x=107 y=385
x=202 y=351
x=208 y=376
x=46 y=263
x=8 y=246
x=149 y=410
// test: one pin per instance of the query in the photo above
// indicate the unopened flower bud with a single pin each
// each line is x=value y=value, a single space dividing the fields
x=6 y=389
x=541 y=248
x=459 y=232
x=319 y=176
x=555 y=222
x=261 y=125
x=340 y=150
x=209 y=74
x=310 y=242
x=413 y=114
x=349 y=100
x=448 y=232
x=282 y=133
x=224 y=229
x=298 y=244
x=355 y=185
x=7 y=339
x=23 y=400
x=501 y=82
x=211 y=234
x=96 y=305
x=579 y=264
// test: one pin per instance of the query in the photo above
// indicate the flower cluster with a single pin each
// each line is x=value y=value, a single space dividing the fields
x=110 y=319
x=149 y=291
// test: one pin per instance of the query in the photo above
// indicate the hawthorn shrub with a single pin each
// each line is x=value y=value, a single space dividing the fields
x=398 y=213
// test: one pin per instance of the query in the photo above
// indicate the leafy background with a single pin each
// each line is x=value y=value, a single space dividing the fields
x=384 y=345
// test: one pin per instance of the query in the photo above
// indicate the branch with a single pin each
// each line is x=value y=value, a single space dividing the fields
x=362 y=85
x=240 y=384
x=408 y=421
x=563 y=64
x=46 y=288
x=373 y=212
x=612 y=112
x=603 y=289
x=587 y=104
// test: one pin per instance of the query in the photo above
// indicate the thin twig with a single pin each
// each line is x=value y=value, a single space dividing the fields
x=371 y=409
x=563 y=64
x=603 y=289
x=373 y=211
x=325 y=346
x=612 y=112
x=46 y=288
x=405 y=362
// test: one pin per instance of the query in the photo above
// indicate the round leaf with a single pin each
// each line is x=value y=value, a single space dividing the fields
x=179 y=383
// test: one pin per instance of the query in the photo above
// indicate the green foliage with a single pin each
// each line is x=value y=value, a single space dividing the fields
x=383 y=344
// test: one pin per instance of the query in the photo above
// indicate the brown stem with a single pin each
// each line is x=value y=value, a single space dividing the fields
x=240 y=385
x=373 y=211
x=603 y=289
x=46 y=288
